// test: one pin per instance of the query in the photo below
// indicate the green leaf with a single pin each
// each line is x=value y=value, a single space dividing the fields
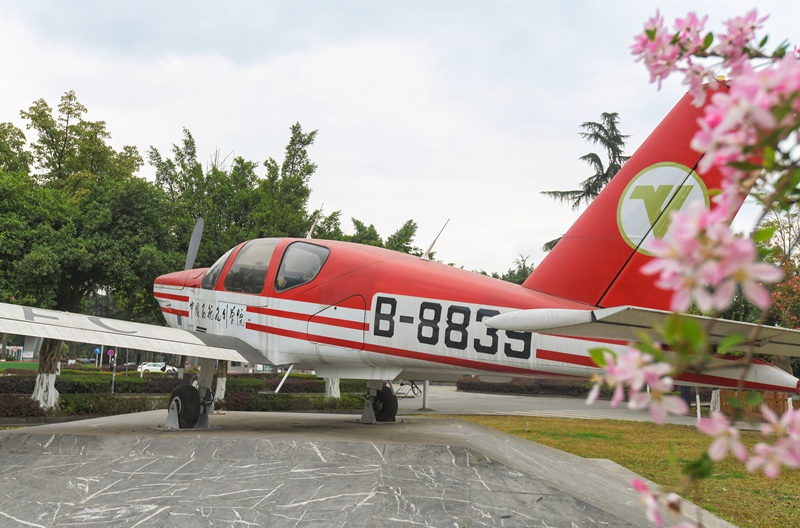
x=729 y=342
x=734 y=402
x=597 y=355
x=764 y=234
x=701 y=468
x=708 y=41
x=746 y=166
x=752 y=399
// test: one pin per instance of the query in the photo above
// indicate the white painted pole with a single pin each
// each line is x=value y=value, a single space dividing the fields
x=697 y=400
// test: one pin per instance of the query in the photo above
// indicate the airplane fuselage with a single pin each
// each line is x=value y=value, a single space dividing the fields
x=372 y=313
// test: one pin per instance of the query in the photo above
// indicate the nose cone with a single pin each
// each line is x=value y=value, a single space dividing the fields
x=182 y=279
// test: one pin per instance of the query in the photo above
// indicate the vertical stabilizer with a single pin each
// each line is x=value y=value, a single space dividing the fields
x=598 y=261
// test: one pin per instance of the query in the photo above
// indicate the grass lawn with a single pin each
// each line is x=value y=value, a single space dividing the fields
x=27 y=365
x=658 y=453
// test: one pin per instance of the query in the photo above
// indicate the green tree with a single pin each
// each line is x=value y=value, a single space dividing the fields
x=401 y=239
x=235 y=202
x=365 y=234
x=83 y=224
x=606 y=134
x=517 y=274
x=283 y=193
x=13 y=156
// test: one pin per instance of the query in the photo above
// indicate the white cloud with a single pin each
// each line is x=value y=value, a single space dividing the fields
x=424 y=111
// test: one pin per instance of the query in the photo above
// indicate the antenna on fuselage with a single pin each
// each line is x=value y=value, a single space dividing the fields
x=427 y=254
x=316 y=218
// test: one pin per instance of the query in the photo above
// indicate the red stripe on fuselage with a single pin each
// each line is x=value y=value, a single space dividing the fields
x=397 y=352
x=331 y=321
x=171 y=296
x=175 y=311
x=561 y=357
x=707 y=379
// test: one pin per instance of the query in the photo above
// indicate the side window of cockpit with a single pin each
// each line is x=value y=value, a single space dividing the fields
x=213 y=273
x=301 y=263
x=249 y=271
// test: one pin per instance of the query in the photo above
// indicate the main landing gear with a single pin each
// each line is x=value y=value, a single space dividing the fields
x=187 y=410
x=190 y=404
x=381 y=402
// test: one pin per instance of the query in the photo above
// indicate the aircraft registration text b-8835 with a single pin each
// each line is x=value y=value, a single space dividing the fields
x=440 y=325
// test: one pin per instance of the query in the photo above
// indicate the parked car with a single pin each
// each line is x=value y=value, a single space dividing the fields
x=156 y=367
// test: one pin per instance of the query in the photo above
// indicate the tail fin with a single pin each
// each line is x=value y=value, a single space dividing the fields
x=598 y=260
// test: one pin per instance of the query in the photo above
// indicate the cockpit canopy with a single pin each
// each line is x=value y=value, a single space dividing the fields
x=300 y=264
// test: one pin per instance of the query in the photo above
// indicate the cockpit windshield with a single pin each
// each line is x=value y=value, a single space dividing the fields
x=301 y=263
x=249 y=271
x=212 y=275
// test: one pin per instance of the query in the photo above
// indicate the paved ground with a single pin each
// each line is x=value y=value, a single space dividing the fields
x=444 y=399
x=309 y=470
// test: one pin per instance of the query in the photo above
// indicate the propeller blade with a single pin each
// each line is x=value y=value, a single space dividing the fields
x=194 y=244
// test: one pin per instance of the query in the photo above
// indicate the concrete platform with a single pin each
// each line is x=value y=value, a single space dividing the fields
x=302 y=470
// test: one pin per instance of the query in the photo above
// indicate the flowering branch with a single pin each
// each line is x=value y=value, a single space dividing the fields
x=750 y=133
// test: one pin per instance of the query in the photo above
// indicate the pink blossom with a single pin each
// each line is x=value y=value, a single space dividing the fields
x=689 y=32
x=594 y=393
x=770 y=458
x=726 y=437
x=703 y=261
x=741 y=33
x=649 y=500
x=656 y=49
x=662 y=405
x=661 y=50
x=636 y=370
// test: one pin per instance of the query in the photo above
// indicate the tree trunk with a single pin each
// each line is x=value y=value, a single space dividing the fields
x=222 y=380
x=3 y=338
x=332 y=388
x=45 y=390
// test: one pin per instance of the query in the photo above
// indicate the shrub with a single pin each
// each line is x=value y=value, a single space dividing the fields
x=20 y=372
x=17 y=384
x=108 y=404
x=19 y=406
x=252 y=401
x=240 y=384
x=527 y=386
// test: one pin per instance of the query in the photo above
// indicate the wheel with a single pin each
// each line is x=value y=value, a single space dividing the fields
x=386 y=405
x=187 y=401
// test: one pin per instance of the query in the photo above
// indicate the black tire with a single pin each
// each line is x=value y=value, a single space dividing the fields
x=386 y=403
x=187 y=400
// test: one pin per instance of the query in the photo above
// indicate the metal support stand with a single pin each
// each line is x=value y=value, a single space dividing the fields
x=425 y=386
x=368 y=415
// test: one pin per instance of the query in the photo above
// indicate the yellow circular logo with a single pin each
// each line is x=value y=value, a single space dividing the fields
x=645 y=207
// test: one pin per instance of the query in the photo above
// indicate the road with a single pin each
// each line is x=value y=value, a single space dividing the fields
x=445 y=399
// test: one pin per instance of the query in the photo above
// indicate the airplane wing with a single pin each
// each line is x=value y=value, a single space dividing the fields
x=626 y=323
x=37 y=322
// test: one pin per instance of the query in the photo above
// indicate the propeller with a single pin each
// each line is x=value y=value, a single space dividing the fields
x=194 y=244
x=191 y=255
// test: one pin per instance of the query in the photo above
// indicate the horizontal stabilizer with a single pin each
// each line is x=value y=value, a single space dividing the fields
x=627 y=323
x=79 y=328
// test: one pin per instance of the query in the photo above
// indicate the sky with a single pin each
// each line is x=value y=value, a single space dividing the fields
x=425 y=110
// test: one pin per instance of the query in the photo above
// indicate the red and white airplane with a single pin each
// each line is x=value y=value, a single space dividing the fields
x=352 y=311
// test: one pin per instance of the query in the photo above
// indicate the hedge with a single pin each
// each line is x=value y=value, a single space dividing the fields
x=527 y=386
x=19 y=406
x=108 y=404
x=253 y=401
